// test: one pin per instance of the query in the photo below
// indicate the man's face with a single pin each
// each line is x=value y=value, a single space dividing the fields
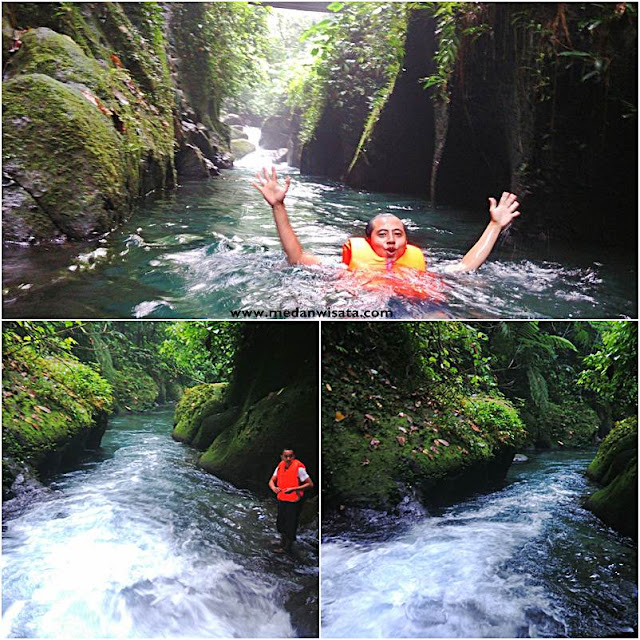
x=388 y=238
x=288 y=456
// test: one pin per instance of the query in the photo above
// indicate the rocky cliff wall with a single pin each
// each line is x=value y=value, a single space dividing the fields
x=97 y=113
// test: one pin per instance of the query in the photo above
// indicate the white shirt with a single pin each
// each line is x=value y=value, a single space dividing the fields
x=302 y=474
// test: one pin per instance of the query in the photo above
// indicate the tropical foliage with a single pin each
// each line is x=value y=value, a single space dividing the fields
x=357 y=52
x=612 y=370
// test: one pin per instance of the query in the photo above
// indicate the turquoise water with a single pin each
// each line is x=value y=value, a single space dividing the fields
x=210 y=248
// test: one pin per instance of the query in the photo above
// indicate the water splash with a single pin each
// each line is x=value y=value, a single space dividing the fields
x=489 y=567
x=141 y=544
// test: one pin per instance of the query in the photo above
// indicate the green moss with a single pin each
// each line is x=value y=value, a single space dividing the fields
x=195 y=405
x=573 y=423
x=283 y=418
x=616 y=467
x=241 y=147
x=392 y=439
x=55 y=55
x=47 y=404
x=53 y=140
x=134 y=389
x=619 y=443
x=69 y=120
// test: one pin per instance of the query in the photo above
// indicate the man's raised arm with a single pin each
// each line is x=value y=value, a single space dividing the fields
x=274 y=194
x=502 y=214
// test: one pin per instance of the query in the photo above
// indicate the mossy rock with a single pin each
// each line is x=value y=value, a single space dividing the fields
x=616 y=467
x=174 y=391
x=573 y=423
x=57 y=56
x=391 y=442
x=238 y=133
x=247 y=452
x=80 y=141
x=55 y=140
x=134 y=390
x=52 y=410
x=241 y=148
x=194 y=420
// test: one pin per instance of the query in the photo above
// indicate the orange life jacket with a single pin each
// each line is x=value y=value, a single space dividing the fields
x=407 y=277
x=287 y=478
x=357 y=253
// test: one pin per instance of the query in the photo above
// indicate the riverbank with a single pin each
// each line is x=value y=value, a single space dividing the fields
x=527 y=560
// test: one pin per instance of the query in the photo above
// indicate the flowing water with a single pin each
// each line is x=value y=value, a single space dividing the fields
x=210 y=249
x=140 y=543
x=525 y=561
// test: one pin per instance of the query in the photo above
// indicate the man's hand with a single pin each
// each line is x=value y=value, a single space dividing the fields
x=268 y=186
x=505 y=211
x=502 y=214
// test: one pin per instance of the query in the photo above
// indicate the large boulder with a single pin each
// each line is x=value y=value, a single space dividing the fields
x=191 y=163
x=271 y=403
x=53 y=409
x=80 y=141
x=572 y=423
x=616 y=468
x=241 y=147
x=389 y=435
x=55 y=139
x=275 y=132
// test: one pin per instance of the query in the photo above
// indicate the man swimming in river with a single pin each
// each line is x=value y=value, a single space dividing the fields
x=385 y=247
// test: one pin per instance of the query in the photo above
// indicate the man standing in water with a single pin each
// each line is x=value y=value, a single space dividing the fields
x=288 y=482
x=385 y=247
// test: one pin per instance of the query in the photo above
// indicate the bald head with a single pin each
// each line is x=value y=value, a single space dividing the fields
x=372 y=223
x=387 y=236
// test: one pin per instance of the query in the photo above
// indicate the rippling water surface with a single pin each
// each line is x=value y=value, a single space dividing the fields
x=142 y=544
x=526 y=561
x=211 y=248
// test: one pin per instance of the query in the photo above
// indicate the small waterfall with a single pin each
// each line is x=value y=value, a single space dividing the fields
x=260 y=157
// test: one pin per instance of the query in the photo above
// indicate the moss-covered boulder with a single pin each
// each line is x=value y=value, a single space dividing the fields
x=200 y=414
x=55 y=139
x=52 y=410
x=379 y=446
x=270 y=404
x=275 y=421
x=135 y=389
x=241 y=147
x=616 y=468
x=80 y=141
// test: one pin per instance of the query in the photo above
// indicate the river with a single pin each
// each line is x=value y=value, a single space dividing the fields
x=210 y=248
x=138 y=542
x=525 y=561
